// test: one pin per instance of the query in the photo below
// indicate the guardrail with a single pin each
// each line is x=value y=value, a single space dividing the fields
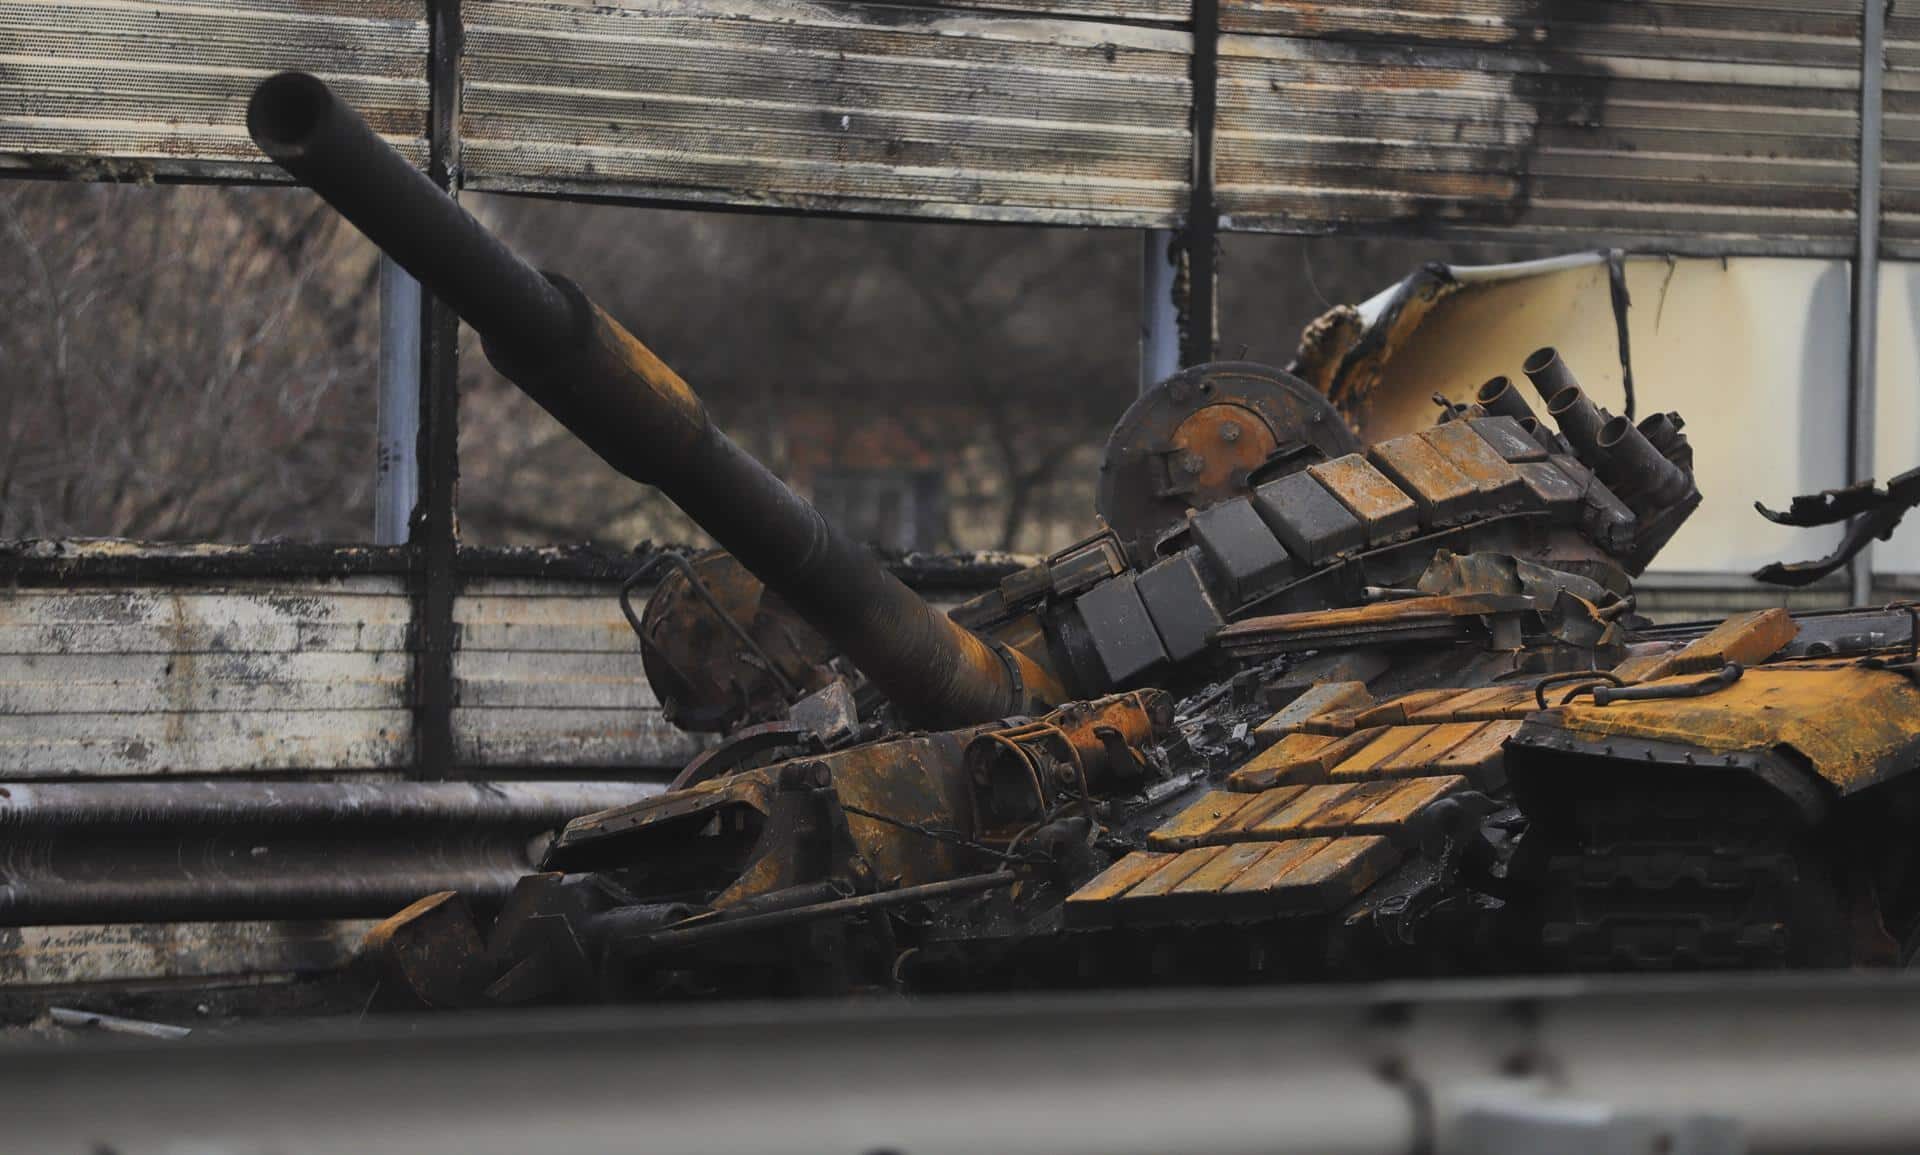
x=1678 y=1066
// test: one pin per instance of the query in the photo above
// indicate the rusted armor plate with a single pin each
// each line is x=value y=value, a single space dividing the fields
x=1483 y=705
x=1382 y=623
x=1509 y=439
x=1244 y=881
x=1481 y=759
x=1285 y=812
x=1399 y=711
x=1320 y=699
x=1366 y=762
x=1553 y=488
x=1419 y=758
x=1388 y=514
x=1497 y=483
x=1445 y=495
x=1748 y=639
x=1854 y=725
x=1192 y=825
x=1299 y=760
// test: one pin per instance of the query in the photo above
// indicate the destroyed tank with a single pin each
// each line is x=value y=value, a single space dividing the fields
x=1302 y=708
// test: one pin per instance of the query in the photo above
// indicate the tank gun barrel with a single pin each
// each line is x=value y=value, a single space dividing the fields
x=629 y=407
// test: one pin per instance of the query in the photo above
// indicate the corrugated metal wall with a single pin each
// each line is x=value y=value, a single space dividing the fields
x=120 y=90
x=1697 y=124
x=1691 y=124
x=548 y=674
x=237 y=678
x=830 y=106
x=312 y=676
x=1900 y=133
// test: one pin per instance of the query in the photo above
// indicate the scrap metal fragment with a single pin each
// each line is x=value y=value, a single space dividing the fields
x=1877 y=512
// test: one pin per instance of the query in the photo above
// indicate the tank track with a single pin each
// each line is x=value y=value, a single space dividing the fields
x=1694 y=876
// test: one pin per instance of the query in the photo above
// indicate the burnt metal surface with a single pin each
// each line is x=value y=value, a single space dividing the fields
x=1871 y=512
x=153 y=92
x=1183 y=612
x=1199 y=438
x=1663 y=126
x=1671 y=126
x=1308 y=519
x=1122 y=633
x=719 y=649
x=170 y=851
x=1069 y=114
x=82 y=561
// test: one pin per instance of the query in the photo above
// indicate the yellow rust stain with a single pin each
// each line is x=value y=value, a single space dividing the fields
x=1469 y=453
x=1366 y=762
x=1747 y=638
x=1174 y=873
x=1122 y=876
x=1294 y=759
x=1186 y=828
x=1339 y=817
x=1220 y=871
x=1494 y=703
x=1365 y=491
x=1277 y=863
x=1853 y=725
x=1398 y=711
x=1303 y=764
x=1292 y=818
x=1420 y=757
x=1405 y=802
x=1442 y=491
x=1353 y=370
x=917 y=780
x=627 y=351
x=1316 y=700
x=1264 y=804
x=1340 y=871
x=1402 y=611
x=1333 y=723
x=1227 y=442
x=1482 y=757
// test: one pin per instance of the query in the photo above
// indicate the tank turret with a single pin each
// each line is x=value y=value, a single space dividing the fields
x=546 y=336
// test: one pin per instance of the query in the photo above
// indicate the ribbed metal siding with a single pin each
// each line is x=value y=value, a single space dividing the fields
x=547 y=674
x=830 y=107
x=313 y=676
x=252 y=676
x=1900 y=133
x=1690 y=123
x=111 y=89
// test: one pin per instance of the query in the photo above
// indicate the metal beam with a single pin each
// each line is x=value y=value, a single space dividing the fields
x=1784 y=1063
x=397 y=420
x=1159 y=309
x=152 y=851
x=1203 y=214
x=1866 y=275
x=438 y=542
